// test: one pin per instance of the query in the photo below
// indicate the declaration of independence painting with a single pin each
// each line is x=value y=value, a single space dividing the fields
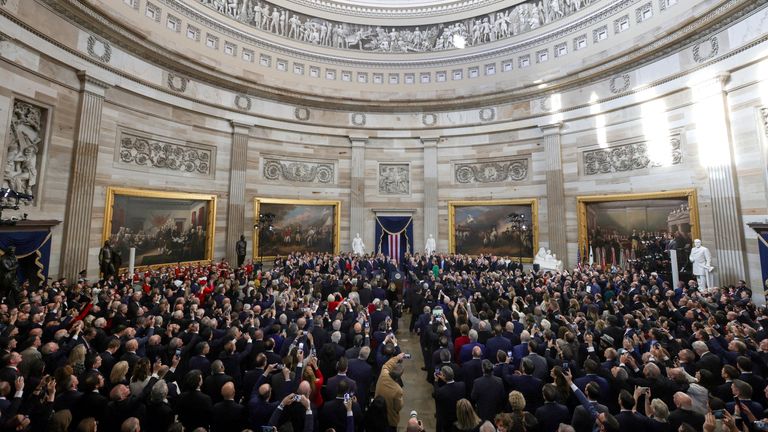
x=297 y=226
x=164 y=227
x=505 y=228
x=638 y=229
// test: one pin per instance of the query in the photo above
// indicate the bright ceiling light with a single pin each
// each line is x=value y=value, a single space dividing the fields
x=459 y=41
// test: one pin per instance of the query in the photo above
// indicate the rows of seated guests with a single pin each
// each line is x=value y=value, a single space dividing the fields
x=311 y=345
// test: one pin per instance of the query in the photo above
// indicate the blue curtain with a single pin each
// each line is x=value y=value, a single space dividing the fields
x=763 y=248
x=33 y=249
x=402 y=225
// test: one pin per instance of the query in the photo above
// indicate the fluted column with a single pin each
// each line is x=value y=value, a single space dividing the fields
x=716 y=154
x=236 y=203
x=555 y=191
x=357 y=194
x=430 y=189
x=79 y=211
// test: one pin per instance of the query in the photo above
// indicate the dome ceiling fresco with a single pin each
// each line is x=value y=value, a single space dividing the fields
x=502 y=24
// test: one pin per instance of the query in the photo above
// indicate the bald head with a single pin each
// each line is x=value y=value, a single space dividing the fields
x=228 y=391
x=682 y=400
x=304 y=388
x=477 y=352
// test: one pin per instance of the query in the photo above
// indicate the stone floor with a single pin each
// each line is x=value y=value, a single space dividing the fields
x=418 y=392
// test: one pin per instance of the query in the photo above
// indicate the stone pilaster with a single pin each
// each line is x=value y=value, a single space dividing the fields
x=357 y=194
x=236 y=202
x=716 y=153
x=430 y=189
x=78 y=216
x=555 y=191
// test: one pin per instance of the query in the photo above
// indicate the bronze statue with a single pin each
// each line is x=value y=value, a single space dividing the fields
x=241 y=248
x=9 y=279
x=107 y=260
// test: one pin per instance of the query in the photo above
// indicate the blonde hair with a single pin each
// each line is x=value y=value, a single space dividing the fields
x=77 y=355
x=660 y=409
x=466 y=418
x=119 y=370
x=516 y=401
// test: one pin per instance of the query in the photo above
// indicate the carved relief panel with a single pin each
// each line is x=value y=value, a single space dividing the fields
x=629 y=157
x=495 y=171
x=394 y=179
x=25 y=148
x=298 y=171
x=144 y=152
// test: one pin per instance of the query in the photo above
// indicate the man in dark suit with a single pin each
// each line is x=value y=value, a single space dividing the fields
x=334 y=411
x=497 y=343
x=213 y=384
x=526 y=384
x=592 y=368
x=757 y=382
x=628 y=420
x=582 y=421
x=742 y=394
x=122 y=405
x=108 y=356
x=472 y=369
x=707 y=360
x=488 y=393
x=200 y=360
x=228 y=415
x=723 y=391
x=194 y=407
x=361 y=372
x=232 y=359
x=92 y=403
x=130 y=355
x=551 y=414
x=447 y=393
x=342 y=367
x=70 y=396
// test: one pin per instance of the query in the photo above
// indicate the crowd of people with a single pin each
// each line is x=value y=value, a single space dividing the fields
x=311 y=344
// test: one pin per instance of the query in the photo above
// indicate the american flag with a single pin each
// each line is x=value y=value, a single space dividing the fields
x=394 y=246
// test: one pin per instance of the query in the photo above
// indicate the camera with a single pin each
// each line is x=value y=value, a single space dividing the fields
x=297 y=398
x=407 y=356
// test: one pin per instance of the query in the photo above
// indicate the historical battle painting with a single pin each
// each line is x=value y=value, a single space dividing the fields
x=506 y=228
x=164 y=227
x=289 y=226
x=638 y=230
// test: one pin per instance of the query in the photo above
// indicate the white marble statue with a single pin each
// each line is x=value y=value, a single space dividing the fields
x=357 y=245
x=430 y=246
x=701 y=259
x=547 y=261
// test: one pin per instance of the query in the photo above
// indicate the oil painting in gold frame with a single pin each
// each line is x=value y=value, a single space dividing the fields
x=164 y=227
x=297 y=226
x=621 y=229
x=507 y=228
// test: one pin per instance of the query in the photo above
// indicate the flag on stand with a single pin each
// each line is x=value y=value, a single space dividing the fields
x=591 y=256
x=394 y=246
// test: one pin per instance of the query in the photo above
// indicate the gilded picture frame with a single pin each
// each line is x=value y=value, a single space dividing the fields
x=680 y=206
x=288 y=213
x=498 y=211
x=185 y=231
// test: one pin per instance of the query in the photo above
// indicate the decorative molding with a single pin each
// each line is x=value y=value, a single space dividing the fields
x=358 y=119
x=3 y=2
x=394 y=179
x=624 y=86
x=148 y=153
x=641 y=10
x=243 y=102
x=279 y=21
x=301 y=113
x=299 y=171
x=714 y=47
x=487 y=114
x=429 y=119
x=177 y=83
x=764 y=118
x=106 y=50
x=628 y=157
x=496 y=171
x=24 y=153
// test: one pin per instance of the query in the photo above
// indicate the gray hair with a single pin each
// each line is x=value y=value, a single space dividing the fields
x=159 y=391
x=487 y=427
x=473 y=335
x=700 y=347
x=336 y=337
